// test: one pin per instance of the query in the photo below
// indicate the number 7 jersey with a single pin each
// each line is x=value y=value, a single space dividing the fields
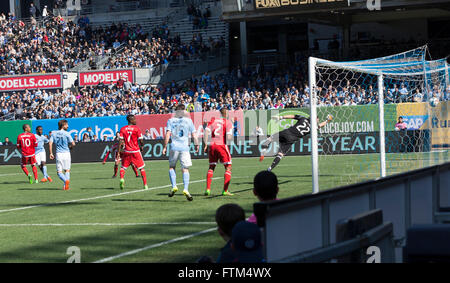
x=131 y=135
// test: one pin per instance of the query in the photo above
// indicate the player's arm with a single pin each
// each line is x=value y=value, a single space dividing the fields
x=284 y=117
x=195 y=138
x=323 y=124
x=166 y=141
x=50 y=148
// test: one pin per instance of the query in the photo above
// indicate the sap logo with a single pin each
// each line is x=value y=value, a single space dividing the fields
x=7 y=154
x=437 y=124
x=415 y=122
x=373 y=5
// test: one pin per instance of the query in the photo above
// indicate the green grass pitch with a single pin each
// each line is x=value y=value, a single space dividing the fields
x=39 y=222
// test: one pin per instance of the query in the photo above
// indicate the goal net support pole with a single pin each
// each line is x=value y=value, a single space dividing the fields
x=381 y=118
x=314 y=127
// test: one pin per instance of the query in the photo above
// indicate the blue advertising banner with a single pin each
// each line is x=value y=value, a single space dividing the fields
x=101 y=126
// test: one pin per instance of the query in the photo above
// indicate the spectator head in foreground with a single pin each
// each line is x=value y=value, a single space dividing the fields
x=226 y=217
x=246 y=243
x=265 y=188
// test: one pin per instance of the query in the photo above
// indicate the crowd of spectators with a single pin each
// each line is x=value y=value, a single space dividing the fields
x=198 y=17
x=240 y=89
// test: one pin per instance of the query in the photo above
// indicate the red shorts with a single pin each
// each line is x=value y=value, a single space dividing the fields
x=134 y=158
x=219 y=153
x=28 y=160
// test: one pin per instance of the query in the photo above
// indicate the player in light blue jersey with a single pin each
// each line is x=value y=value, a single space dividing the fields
x=64 y=143
x=180 y=128
x=41 y=155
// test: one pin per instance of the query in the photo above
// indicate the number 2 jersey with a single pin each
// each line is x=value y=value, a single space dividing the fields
x=296 y=132
x=27 y=143
x=220 y=128
x=131 y=135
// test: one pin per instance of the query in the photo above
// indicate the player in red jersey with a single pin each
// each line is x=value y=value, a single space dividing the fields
x=27 y=144
x=220 y=130
x=130 y=144
x=114 y=151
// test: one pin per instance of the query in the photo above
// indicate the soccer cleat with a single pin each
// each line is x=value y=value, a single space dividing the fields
x=188 y=195
x=173 y=191
x=207 y=192
x=43 y=180
x=114 y=176
x=66 y=185
x=122 y=184
x=137 y=176
x=227 y=193
x=49 y=179
x=36 y=181
x=145 y=187
x=30 y=179
x=261 y=158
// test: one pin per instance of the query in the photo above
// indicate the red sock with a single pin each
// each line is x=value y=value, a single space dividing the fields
x=209 y=179
x=135 y=171
x=115 y=169
x=35 y=173
x=25 y=170
x=122 y=173
x=144 y=176
x=227 y=181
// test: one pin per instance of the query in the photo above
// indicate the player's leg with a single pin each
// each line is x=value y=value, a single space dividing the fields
x=59 y=169
x=116 y=168
x=213 y=159
x=173 y=159
x=126 y=161
x=186 y=163
x=66 y=167
x=285 y=147
x=136 y=172
x=23 y=166
x=138 y=161
x=265 y=145
x=225 y=158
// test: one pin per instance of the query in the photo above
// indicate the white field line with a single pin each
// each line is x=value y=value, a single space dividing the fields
x=155 y=245
x=98 y=197
x=104 y=224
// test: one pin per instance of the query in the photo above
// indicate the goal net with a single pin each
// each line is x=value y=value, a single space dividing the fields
x=386 y=114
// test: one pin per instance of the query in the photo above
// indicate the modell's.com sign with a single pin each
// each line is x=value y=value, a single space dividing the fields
x=263 y=4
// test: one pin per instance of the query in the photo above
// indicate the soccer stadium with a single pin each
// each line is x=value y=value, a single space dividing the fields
x=222 y=132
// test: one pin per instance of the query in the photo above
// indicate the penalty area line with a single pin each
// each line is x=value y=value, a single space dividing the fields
x=155 y=245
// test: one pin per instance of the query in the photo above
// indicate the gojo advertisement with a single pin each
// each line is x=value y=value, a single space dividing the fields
x=106 y=77
x=17 y=83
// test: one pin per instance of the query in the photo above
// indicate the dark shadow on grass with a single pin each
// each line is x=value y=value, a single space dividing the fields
x=32 y=189
x=96 y=188
x=14 y=183
x=303 y=176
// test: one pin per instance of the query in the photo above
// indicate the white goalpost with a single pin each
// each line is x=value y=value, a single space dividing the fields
x=367 y=98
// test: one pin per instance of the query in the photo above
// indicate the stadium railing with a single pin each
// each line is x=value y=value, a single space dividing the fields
x=416 y=197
